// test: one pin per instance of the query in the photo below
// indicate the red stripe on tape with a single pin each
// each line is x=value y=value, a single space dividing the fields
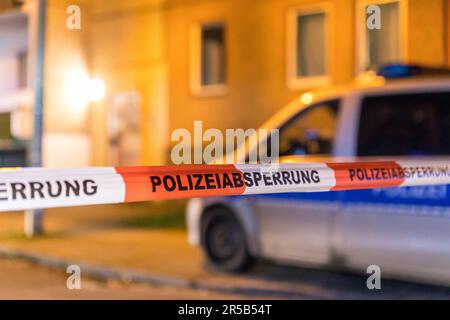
x=364 y=175
x=172 y=182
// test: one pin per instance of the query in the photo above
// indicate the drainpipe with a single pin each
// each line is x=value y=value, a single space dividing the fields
x=33 y=218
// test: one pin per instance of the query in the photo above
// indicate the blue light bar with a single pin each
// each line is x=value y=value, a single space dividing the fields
x=395 y=71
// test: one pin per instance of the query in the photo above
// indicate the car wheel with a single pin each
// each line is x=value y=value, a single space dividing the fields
x=224 y=242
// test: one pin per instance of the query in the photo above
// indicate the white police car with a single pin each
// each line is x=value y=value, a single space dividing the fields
x=405 y=231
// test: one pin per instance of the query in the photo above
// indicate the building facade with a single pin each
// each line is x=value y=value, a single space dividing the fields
x=229 y=63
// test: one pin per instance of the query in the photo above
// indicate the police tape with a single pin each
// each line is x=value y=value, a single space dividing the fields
x=36 y=188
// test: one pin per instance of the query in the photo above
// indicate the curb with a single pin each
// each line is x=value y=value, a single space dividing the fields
x=129 y=276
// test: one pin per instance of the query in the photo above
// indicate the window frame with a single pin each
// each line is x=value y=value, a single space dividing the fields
x=195 y=61
x=361 y=32
x=294 y=81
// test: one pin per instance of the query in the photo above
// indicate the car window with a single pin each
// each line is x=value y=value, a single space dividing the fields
x=407 y=124
x=311 y=131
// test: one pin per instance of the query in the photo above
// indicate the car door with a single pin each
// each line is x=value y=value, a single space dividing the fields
x=297 y=226
x=405 y=231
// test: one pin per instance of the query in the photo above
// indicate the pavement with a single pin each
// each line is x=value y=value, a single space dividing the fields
x=30 y=281
x=146 y=244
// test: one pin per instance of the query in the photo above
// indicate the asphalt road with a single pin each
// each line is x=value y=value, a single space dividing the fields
x=323 y=284
x=92 y=235
x=22 y=280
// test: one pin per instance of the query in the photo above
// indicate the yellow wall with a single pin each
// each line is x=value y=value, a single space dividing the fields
x=65 y=56
x=256 y=60
x=143 y=45
x=127 y=50
x=121 y=42
x=66 y=140
x=256 y=55
x=427 y=32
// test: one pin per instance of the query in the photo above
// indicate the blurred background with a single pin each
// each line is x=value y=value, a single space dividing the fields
x=136 y=70
x=117 y=84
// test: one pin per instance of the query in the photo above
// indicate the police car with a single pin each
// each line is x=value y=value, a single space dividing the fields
x=400 y=112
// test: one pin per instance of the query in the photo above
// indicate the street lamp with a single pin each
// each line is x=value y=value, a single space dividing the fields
x=95 y=89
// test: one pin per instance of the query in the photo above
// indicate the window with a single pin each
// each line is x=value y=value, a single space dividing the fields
x=380 y=46
x=311 y=131
x=213 y=56
x=307 y=47
x=310 y=45
x=410 y=124
x=208 y=59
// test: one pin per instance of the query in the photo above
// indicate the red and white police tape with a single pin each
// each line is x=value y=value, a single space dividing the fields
x=34 y=188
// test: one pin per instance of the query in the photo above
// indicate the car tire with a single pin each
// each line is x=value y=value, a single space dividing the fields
x=224 y=241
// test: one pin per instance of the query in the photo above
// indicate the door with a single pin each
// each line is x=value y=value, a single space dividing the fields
x=405 y=231
x=297 y=226
x=124 y=129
